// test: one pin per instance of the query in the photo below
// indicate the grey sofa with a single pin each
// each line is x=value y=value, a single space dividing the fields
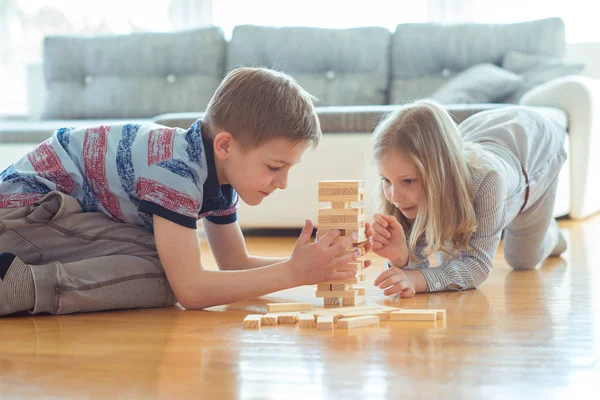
x=357 y=75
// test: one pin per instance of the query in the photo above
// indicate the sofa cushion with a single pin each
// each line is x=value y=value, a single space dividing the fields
x=429 y=49
x=482 y=83
x=15 y=131
x=364 y=119
x=536 y=69
x=337 y=66
x=132 y=76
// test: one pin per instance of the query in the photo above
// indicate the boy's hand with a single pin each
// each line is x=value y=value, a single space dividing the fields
x=389 y=240
x=396 y=280
x=313 y=263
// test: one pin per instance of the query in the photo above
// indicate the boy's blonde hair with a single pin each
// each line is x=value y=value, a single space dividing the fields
x=256 y=105
x=427 y=135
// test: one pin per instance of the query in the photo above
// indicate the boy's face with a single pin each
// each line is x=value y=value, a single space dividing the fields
x=258 y=172
x=400 y=182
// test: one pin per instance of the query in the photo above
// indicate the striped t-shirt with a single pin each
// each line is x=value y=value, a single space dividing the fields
x=514 y=139
x=127 y=171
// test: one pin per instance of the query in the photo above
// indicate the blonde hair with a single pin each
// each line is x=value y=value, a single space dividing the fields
x=427 y=135
x=256 y=105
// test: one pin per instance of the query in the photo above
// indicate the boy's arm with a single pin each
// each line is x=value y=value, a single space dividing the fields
x=227 y=244
x=196 y=288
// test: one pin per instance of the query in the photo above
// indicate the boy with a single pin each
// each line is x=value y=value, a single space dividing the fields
x=104 y=217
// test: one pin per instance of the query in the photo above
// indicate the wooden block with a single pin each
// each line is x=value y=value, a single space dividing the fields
x=339 y=293
x=360 y=289
x=339 y=286
x=357 y=322
x=287 y=317
x=324 y=322
x=269 y=319
x=346 y=212
x=252 y=321
x=349 y=281
x=341 y=184
x=341 y=204
x=340 y=191
x=345 y=198
x=413 y=315
x=324 y=287
x=283 y=307
x=353 y=301
x=331 y=219
x=332 y=301
x=351 y=266
x=347 y=226
x=441 y=314
x=347 y=310
x=306 y=321
x=382 y=315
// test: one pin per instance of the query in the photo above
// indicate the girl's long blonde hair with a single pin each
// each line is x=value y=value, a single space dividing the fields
x=427 y=135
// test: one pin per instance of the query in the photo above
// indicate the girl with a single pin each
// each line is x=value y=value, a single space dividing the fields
x=453 y=189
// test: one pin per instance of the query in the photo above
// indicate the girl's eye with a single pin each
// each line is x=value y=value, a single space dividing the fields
x=274 y=169
x=385 y=180
x=409 y=181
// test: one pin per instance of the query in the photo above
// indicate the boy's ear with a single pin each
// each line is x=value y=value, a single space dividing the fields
x=222 y=145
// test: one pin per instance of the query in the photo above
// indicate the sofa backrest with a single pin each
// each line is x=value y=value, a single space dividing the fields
x=426 y=55
x=134 y=75
x=337 y=66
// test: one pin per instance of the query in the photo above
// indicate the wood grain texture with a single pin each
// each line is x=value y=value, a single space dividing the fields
x=521 y=335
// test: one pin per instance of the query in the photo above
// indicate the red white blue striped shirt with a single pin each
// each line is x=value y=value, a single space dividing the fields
x=127 y=171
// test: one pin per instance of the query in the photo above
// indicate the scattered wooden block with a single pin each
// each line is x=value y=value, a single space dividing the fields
x=324 y=322
x=269 y=319
x=441 y=314
x=382 y=315
x=413 y=315
x=287 y=317
x=283 y=307
x=339 y=293
x=252 y=321
x=306 y=321
x=357 y=322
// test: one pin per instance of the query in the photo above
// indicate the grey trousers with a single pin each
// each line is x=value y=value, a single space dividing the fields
x=84 y=261
x=532 y=235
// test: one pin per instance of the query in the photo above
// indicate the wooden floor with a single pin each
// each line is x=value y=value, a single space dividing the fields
x=522 y=335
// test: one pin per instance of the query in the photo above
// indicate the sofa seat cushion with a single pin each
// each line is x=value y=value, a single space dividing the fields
x=364 y=119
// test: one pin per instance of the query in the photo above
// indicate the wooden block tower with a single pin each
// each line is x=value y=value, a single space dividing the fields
x=347 y=214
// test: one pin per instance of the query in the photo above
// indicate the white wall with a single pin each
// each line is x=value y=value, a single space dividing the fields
x=588 y=53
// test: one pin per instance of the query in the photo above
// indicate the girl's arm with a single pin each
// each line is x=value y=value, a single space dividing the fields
x=473 y=266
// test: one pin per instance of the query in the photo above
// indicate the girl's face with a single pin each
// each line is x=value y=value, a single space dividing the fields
x=401 y=183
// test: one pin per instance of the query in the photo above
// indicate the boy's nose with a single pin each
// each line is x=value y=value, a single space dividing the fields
x=280 y=183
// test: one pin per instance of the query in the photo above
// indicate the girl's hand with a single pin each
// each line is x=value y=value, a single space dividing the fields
x=396 y=280
x=389 y=240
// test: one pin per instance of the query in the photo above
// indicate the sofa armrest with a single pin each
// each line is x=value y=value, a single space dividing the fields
x=579 y=97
